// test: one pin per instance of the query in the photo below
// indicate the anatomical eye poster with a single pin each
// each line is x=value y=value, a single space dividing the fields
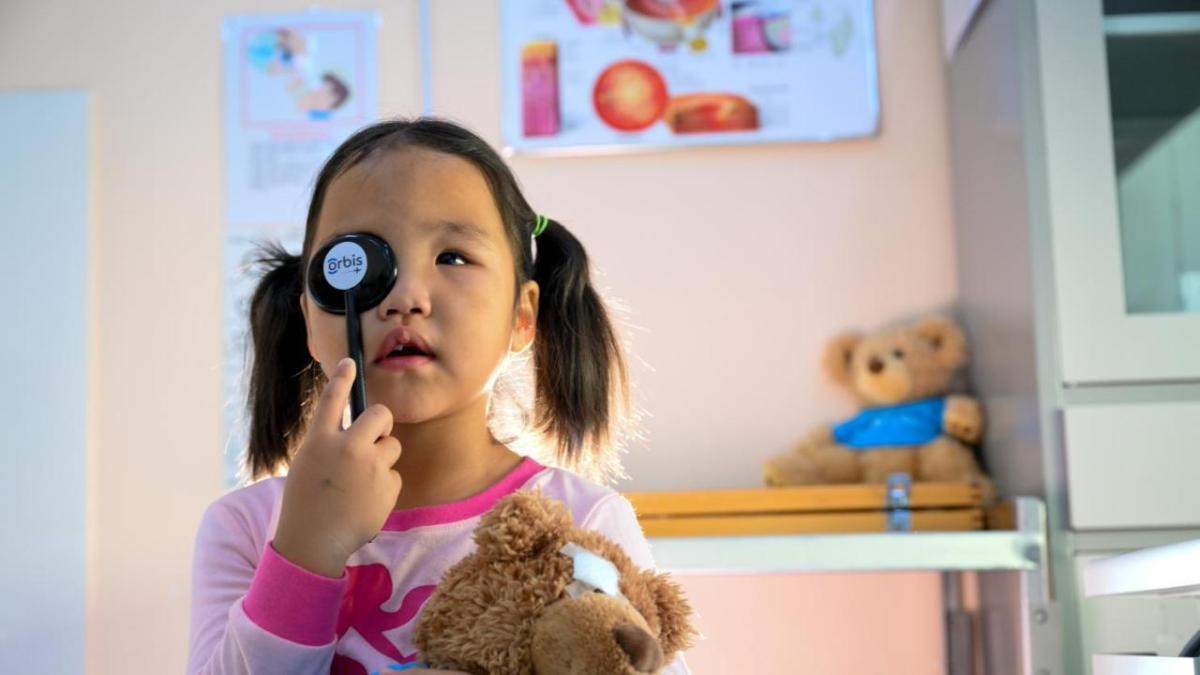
x=597 y=75
x=296 y=85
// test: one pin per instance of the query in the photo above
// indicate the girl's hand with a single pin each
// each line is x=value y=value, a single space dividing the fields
x=340 y=486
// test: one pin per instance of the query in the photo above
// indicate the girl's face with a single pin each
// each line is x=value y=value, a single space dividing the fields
x=454 y=288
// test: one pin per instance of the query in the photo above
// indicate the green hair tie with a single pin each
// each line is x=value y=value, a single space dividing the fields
x=540 y=225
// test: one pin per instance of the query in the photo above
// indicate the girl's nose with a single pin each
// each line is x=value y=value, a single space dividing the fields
x=410 y=295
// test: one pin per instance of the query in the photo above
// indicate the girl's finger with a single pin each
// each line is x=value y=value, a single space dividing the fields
x=389 y=450
x=328 y=413
x=374 y=423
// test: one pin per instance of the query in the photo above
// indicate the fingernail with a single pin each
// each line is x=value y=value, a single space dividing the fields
x=344 y=365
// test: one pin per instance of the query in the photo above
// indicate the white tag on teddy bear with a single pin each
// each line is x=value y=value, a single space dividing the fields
x=592 y=572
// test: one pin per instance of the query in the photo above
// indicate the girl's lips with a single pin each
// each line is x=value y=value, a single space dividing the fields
x=402 y=335
x=409 y=362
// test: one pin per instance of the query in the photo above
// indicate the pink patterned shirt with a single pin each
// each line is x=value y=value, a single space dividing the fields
x=253 y=611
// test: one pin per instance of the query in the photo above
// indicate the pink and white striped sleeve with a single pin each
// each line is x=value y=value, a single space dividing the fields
x=254 y=611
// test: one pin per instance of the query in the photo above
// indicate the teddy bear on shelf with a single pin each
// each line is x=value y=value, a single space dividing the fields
x=911 y=424
x=542 y=596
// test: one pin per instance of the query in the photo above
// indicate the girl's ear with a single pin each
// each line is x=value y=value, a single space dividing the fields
x=307 y=330
x=525 y=324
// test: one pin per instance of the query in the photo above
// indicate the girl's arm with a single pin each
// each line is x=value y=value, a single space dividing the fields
x=256 y=612
x=614 y=517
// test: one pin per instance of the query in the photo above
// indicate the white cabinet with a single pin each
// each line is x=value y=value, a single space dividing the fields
x=1133 y=465
x=1119 y=99
x=1073 y=287
x=1121 y=256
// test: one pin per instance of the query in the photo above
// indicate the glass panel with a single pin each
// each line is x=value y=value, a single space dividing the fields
x=1153 y=52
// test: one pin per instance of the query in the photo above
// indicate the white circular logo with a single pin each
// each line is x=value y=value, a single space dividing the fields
x=345 y=265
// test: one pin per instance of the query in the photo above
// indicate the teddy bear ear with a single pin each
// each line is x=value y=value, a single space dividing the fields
x=946 y=339
x=522 y=524
x=838 y=355
x=675 y=630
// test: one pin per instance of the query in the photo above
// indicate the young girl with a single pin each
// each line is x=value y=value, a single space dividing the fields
x=326 y=570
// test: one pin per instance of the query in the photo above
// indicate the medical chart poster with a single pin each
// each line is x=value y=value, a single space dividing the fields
x=595 y=75
x=296 y=85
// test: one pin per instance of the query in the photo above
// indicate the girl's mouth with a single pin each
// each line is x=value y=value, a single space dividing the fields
x=404 y=359
x=401 y=347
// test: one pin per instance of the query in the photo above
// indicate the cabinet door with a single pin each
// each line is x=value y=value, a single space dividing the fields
x=1120 y=96
x=1133 y=465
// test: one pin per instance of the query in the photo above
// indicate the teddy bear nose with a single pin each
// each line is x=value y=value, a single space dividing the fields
x=875 y=365
x=644 y=653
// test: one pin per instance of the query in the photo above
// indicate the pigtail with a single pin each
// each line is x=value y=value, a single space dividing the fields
x=284 y=379
x=580 y=377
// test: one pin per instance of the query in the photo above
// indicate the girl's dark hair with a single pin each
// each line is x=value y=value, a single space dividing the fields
x=580 y=383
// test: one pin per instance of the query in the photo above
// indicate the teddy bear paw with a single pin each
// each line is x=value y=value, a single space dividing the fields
x=964 y=419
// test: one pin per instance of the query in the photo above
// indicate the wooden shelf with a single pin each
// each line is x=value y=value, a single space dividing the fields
x=823 y=498
x=926 y=520
x=817 y=509
x=1022 y=549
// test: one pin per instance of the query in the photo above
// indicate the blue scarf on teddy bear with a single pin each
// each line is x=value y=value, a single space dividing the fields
x=913 y=423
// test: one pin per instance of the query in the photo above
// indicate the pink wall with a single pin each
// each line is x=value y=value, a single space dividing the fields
x=784 y=624
x=732 y=295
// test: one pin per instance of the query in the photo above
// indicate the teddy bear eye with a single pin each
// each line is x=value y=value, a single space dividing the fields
x=898 y=353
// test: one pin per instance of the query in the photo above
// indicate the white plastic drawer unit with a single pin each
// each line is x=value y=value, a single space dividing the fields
x=1120 y=664
x=1133 y=465
x=1171 y=571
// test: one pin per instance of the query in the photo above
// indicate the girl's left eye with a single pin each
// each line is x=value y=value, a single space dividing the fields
x=453 y=254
